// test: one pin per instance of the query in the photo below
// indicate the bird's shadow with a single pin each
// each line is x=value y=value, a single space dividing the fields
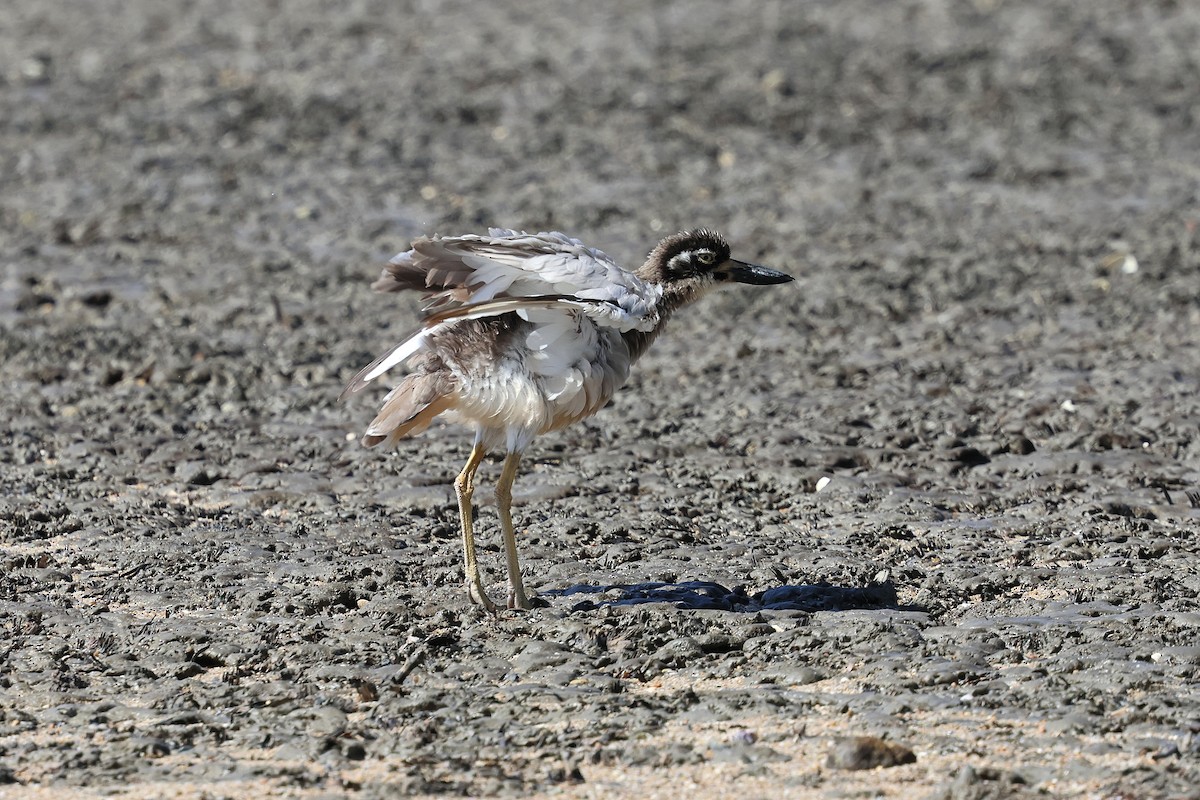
x=714 y=596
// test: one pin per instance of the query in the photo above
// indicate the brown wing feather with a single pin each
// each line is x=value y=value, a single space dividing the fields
x=431 y=266
x=411 y=407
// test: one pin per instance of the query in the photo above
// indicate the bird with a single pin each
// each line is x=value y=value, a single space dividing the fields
x=523 y=334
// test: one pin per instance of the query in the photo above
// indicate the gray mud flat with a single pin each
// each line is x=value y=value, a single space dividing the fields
x=940 y=498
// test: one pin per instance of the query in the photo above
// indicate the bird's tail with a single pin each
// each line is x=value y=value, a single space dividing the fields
x=411 y=407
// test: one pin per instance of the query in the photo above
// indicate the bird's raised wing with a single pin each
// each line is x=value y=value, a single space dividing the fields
x=461 y=271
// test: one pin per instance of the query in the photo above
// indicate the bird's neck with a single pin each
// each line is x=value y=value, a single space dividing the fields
x=639 y=341
x=674 y=296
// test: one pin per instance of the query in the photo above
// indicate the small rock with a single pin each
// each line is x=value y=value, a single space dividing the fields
x=324 y=721
x=867 y=752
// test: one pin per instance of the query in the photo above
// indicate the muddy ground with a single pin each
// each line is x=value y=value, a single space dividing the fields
x=209 y=589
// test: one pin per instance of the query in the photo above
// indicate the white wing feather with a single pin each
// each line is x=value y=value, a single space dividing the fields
x=511 y=264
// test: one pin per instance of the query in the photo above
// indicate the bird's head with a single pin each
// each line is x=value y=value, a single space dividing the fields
x=694 y=261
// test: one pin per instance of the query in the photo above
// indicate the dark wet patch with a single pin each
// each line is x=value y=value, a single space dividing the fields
x=713 y=596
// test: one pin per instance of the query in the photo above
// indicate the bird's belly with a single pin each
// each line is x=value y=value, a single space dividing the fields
x=506 y=397
x=556 y=378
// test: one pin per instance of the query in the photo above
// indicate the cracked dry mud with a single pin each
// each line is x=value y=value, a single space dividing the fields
x=989 y=366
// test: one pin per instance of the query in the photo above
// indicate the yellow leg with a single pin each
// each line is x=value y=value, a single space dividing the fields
x=516 y=587
x=464 y=486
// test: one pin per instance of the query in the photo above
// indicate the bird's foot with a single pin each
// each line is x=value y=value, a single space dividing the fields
x=479 y=596
x=517 y=600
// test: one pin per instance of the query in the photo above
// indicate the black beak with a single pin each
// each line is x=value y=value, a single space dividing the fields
x=741 y=272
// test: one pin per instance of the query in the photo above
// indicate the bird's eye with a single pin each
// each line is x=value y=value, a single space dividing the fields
x=707 y=257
